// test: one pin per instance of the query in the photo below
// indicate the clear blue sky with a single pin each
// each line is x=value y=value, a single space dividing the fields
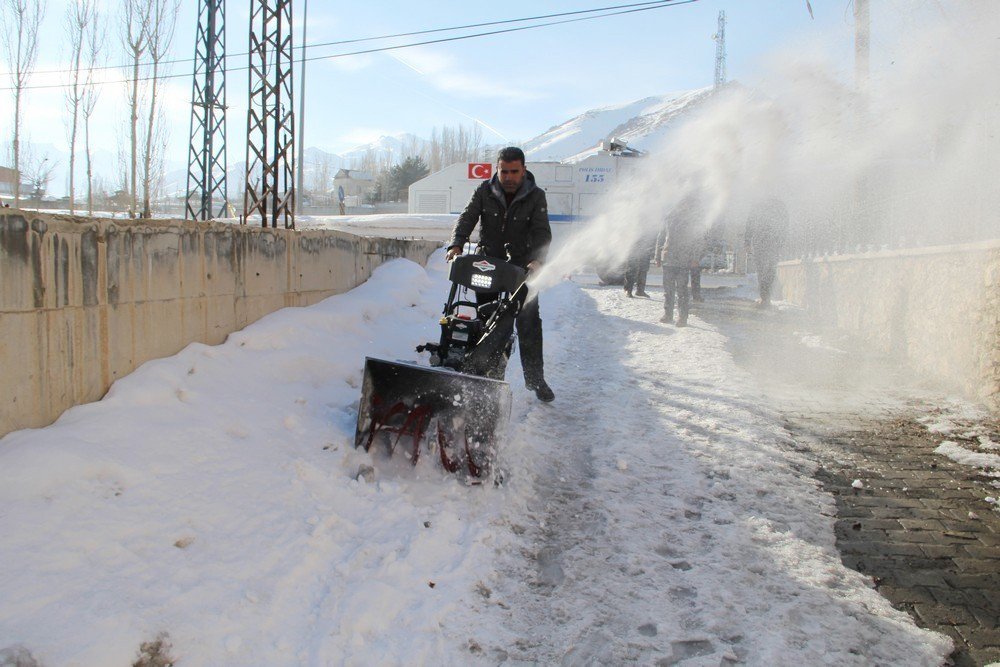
x=519 y=84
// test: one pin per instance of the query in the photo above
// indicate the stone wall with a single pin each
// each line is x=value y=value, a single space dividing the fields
x=85 y=301
x=937 y=309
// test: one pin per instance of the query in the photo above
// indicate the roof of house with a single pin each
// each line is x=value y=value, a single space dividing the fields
x=355 y=174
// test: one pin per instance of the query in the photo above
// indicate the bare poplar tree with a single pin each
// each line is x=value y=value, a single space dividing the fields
x=20 y=20
x=411 y=145
x=462 y=143
x=136 y=15
x=434 y=151
x=88 y=100
x=153 y=162
x=321 y=177
x=447 y=146
x=476 y=143
x=160 y=34
x=122 y=196
x=80 y=16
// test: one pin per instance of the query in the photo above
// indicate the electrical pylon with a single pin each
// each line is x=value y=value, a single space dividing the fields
x=206 y=179
x=270 y=184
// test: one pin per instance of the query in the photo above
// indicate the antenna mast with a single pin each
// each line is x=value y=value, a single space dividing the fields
x=720 y=51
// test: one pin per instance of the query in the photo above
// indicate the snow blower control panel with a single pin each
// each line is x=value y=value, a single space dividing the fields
x=464 y=320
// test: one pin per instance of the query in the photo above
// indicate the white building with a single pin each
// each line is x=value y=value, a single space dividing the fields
x=351 y=186
x=572 y=189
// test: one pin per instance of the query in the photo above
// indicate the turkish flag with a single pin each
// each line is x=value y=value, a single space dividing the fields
x=480 y=170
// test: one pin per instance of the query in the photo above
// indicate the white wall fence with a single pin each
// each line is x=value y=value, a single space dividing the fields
x=936 y=308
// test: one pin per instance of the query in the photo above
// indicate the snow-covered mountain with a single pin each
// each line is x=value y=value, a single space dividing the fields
x=641 y=123
x=392 y=149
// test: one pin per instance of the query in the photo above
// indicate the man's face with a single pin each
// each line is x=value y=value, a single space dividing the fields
x=511 y=175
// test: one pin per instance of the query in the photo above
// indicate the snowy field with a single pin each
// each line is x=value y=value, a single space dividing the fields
x=654 y=513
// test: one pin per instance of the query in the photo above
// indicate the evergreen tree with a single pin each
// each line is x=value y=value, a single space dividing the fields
x=403 y=175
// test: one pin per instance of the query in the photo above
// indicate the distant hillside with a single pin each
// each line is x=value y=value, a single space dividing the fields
x=641 y=123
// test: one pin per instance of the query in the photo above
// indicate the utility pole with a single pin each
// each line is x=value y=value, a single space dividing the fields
x=720 y=51
x=270 y=185
x=206 y=180
x=863 y=231
x=300 y=182
x=862 y=43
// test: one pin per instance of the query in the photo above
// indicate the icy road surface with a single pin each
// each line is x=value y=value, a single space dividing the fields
x=207 y=510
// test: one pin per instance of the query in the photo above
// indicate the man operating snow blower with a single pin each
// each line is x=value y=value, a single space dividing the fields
x=513 y=221
x=459 y=406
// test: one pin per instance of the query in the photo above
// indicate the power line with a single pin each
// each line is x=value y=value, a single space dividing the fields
x=382 y=37
x=638 y=7
x=672 y=3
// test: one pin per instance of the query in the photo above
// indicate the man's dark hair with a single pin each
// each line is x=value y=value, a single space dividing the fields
x=510 y=154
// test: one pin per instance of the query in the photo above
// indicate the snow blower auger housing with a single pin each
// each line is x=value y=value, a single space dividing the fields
x=460 y=405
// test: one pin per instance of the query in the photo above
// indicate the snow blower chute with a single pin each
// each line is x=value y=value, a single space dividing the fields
x=460 y=405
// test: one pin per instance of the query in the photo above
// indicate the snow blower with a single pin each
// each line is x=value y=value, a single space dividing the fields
x=460 y=405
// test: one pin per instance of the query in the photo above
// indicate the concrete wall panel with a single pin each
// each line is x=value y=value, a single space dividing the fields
x=85 y=301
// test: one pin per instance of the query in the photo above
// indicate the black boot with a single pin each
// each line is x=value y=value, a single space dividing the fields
x=542 y=391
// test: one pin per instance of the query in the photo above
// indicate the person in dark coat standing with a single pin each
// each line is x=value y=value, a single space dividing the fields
x=512 y=214
x=637 y=264
x=678 y=246
x=767 y=227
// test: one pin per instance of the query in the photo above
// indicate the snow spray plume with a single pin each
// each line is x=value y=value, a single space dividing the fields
x=910 y=159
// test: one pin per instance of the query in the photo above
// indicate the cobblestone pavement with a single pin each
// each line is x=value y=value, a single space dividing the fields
x=913 y=520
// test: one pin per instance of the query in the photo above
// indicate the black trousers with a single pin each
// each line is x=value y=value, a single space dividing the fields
x=529 y=337
x=696 y=283
x=675 y=283
x=636 y=268
x=766 y=265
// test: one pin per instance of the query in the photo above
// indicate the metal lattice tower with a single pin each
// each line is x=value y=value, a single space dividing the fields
x=720 y=51
x=206 y=180
x=270 y=184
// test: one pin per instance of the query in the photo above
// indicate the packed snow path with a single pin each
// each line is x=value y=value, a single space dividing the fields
x=652 y=514
x=672 y=520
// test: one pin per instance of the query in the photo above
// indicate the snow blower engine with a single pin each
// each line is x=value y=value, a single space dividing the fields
x=460 y=405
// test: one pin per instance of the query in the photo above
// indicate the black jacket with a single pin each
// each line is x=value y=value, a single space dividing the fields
x=767 y=226
x=524 y=224
x=680 y=241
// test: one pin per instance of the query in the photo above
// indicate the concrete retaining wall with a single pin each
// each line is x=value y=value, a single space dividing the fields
x=938 y=309
x=86 y=301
